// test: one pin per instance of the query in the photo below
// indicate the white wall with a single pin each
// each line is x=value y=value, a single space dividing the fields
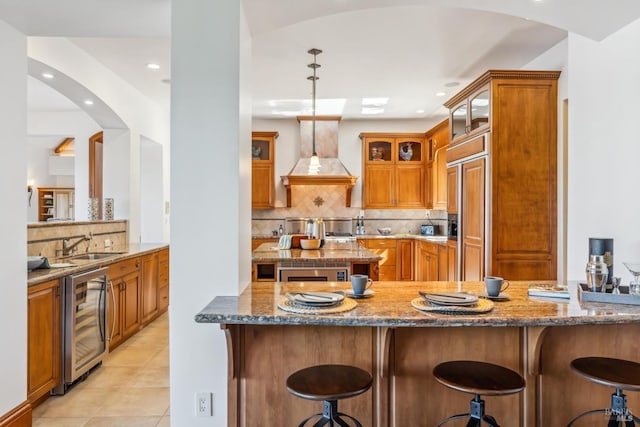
x=604 y=147
x=287 y=148
x=47 y=130
x=210 y=181
x=141 y=116
x=151 y=209
x=13 y=218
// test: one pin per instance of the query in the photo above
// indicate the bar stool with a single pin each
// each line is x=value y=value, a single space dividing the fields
x=617 y=373
x=478 y=378
x=329 y=383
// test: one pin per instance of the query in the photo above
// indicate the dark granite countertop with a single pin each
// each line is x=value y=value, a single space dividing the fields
x=390 y=307
x=268 y=252
x=122 y=252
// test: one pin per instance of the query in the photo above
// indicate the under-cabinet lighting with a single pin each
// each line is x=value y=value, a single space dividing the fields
x=47 y=75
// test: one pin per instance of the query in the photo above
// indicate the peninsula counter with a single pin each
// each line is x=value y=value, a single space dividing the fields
x=400 y=346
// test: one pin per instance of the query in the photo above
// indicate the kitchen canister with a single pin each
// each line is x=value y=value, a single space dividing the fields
x=93 y=214
x=604 y=247
x=108 y=209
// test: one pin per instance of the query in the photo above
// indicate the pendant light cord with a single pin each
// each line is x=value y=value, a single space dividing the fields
x=313 y=79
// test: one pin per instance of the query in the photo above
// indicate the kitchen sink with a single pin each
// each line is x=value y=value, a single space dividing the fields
x=94 y=256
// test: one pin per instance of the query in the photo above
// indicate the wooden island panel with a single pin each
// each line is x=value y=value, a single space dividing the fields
x=419 y=397
x=270 y=354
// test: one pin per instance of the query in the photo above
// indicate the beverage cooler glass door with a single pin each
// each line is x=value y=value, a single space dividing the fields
x=85 y=318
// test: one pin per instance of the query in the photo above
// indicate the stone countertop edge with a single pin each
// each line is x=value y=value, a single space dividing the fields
x=267 y=252
x=390 y=306
x=36 y=277
x=434 y=239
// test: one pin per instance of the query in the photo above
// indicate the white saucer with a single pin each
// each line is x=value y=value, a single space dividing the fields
x=501 y=297
x=367 y=294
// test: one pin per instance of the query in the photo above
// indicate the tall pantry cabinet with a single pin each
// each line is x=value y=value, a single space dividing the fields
x=502 y=160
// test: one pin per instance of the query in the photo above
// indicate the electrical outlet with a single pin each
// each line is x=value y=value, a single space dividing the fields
x=107 y=243
x=204 y=404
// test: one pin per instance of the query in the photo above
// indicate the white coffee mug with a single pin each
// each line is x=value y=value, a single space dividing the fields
x=494 y=285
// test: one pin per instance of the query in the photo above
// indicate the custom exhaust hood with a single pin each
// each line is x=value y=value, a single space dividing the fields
x=319 y=163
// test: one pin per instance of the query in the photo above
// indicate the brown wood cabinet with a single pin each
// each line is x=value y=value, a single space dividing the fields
x=263 y=184
x=404 y=261
x=452 y=190
x=149 y=288
x=473 y=221
x=386 y=248
x=452 y=260
x=397 y=258
x=394 y=170
x=470 y=114
x=124 y=314
x=437 y=142
x=517 y=135
x=163 y=280
x=43 y=336
x=427 y=261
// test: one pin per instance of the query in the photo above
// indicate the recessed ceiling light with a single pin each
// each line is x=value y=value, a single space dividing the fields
x=88 y=102
x=375 y=101
x=153 y=66
x=419 y=111
x=440 y=94
x=47 y=75
x=372 y=110
x=452 y=84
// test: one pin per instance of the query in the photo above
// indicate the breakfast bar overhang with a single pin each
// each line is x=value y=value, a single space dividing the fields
x=400 y=345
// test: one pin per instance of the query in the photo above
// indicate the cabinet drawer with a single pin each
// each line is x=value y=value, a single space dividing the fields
x=381 y=243
x=123 y=267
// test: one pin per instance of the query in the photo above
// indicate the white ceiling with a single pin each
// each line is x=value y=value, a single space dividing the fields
x=406 y=50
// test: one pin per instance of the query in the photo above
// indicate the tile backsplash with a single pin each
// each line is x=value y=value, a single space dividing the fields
x=45 y=239
x=265 y=222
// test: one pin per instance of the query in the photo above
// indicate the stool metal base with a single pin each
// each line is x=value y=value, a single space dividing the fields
x=619 y=415
x=330 y=416
x=476 y=415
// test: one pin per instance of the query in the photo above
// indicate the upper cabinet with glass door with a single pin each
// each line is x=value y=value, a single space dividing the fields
x=470 y=115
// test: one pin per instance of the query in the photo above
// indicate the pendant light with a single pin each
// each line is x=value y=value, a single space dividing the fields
x=314 y=162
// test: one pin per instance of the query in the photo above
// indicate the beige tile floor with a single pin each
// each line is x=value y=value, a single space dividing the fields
x=131 y=388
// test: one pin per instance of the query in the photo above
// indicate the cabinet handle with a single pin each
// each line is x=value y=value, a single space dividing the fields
x=115 y=311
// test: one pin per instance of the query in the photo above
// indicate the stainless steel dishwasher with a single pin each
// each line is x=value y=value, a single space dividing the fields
x=84 y=318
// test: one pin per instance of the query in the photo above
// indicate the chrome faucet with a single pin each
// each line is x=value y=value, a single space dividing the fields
x=67 y=246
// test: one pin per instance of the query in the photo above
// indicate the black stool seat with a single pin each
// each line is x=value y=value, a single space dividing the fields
x=478 y=378
x=329 y=383
x=617 y=373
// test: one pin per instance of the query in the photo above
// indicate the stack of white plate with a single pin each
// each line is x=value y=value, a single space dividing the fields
x=315 y=299
x=449 y=298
